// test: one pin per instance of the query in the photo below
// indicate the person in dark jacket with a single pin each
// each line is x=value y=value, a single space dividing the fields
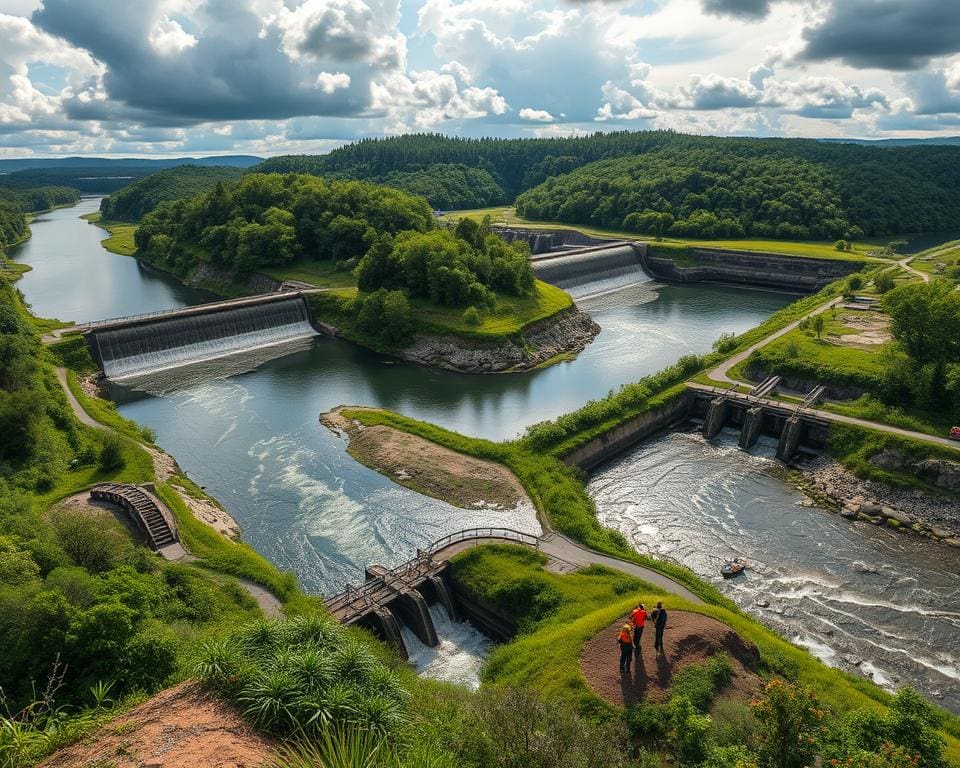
x=659 y=623
x=625 y=642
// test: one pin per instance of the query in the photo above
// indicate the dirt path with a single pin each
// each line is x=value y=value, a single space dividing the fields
x=688 y=639
x=205 y=510
x=181 y=727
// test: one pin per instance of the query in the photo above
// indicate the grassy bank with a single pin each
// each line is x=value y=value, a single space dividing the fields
x=121 y=234
x=507 y=216
x=559 y=613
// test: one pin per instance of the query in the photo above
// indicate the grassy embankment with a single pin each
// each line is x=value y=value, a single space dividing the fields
x=559 y=613
x=121 y=234
x=507 y=216
x=938 y=261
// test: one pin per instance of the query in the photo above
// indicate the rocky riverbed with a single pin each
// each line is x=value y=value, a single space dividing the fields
x=565 y=334
x=936 y=516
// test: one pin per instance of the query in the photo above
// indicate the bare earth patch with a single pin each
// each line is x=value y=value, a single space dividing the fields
x=428 y=468
x=871 y=331
x=182 y=726
x=690 y=638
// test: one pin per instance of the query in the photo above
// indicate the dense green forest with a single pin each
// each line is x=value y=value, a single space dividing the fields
x=272 y=219
x=141 y=197
x=89 y=180
x=696 y=185
x=15 y=202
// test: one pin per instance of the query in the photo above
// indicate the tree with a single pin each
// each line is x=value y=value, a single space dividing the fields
x=791 y=725
x=925 y=320
x=817 y=324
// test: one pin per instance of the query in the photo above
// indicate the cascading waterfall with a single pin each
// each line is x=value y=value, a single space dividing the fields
x=164 y=343
x=459 y=656
x=588 y=273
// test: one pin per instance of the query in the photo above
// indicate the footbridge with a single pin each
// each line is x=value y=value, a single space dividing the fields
x=403 y=595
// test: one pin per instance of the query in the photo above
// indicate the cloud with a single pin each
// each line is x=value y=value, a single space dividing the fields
x=621 y=105
x=537 y=115
x=888 y=34
x=741 y=9
x=168 y=37
x=329 y=82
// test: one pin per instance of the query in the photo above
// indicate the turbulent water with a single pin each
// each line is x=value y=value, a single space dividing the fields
x=459 y=656
x=857 y=596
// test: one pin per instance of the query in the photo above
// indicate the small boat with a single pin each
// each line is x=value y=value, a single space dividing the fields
x=733 y=567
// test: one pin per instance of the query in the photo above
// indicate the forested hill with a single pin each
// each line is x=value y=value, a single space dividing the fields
x=799 y=188
x=141 y=197
x=15 y=202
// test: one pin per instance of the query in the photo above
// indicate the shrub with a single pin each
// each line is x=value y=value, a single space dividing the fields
x=690 y=731
x=855 y=282
x=790 y=725
x=884 y=282
x=726 y=343
x=92 y=542
x=733 y=724
x=111 y=453
x=471 y=316
x=699 y=682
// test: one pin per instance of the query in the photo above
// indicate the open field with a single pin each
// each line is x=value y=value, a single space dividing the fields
x=506 y=215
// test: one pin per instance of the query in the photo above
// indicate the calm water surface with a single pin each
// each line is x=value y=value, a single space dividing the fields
x=247 y=430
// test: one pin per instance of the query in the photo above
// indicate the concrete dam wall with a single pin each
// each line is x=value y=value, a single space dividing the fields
x=549 y=240
x=589 y=271
x=141 y=345
x=766 y=270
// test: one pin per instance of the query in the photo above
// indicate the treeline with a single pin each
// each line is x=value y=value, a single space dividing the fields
x=32 y=199
x=15 y=202
x=446 y=186
x=273 y=219
x=80 y=604
x=89 y=180
x=869 y=191
x=141 y=197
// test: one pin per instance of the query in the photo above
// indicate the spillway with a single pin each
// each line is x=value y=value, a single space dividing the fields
x=592 y=271
x=156 y=344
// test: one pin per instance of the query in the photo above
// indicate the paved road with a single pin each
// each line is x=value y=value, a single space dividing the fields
x=569 y=553
x=722 y=371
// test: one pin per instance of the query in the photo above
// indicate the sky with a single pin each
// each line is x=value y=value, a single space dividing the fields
x=268 y=77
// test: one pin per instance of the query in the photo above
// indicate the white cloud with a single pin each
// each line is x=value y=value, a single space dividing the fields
x=537 y=115
x=621 y=105
x=329 y=82
x=168 y=38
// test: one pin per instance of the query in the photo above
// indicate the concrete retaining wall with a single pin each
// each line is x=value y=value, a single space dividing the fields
x=609 y=444
x=768 y=270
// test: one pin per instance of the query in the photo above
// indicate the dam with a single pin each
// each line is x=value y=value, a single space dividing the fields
x=141 y=345
x=593 y=270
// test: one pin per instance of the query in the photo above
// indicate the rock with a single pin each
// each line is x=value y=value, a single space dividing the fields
x=939 y=533
x=870 y=508
x=863 y=567
x=762 y=603
x=953 y=541
x=852 y=660
x=849 y=512
x=895 y=514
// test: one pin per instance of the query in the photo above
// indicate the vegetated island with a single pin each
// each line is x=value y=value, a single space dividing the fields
x=460 y=299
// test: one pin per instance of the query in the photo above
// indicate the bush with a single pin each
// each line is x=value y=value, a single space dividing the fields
x=726 y=343
x=471 y=316
x=111 y=453
x=855 y=282
x=96 y=543
x=884 y=282
x=698 y=683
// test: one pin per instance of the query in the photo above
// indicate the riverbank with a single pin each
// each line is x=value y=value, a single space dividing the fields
x=426 y=467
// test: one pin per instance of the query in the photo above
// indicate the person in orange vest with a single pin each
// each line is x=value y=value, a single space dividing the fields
x=625 y=641
x=639 y=619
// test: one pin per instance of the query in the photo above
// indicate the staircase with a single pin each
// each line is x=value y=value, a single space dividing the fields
x=143 y=508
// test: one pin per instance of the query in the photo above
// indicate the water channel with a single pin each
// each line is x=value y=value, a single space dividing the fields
x=247 y=430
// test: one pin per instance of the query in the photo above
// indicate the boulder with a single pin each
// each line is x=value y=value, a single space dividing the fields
x=895 y=514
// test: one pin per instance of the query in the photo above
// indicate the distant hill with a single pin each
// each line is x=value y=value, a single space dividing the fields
x=234 y=161
x=183 y=181
x=943 y=141
x=15 y=202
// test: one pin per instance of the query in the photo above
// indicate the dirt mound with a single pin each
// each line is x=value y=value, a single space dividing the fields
x=182 y=726
x=690 y=638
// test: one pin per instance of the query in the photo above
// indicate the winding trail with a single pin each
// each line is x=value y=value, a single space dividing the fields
x=268 y=602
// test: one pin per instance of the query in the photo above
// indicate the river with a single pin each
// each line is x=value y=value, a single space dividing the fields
x=254 y=441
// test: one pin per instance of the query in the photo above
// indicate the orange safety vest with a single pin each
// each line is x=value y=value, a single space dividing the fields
x=624 y=637
x=639 y=617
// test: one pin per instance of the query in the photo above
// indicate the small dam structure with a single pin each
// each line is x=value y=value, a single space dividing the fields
x=546 y=241
x=144 y=344
x=593 y=270
x=404 y=596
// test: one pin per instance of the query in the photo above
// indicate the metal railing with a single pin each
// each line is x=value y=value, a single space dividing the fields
x=357 y=600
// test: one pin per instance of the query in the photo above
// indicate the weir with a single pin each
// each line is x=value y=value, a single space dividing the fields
x=141 y=345
x=750 y=431
x=588 y=271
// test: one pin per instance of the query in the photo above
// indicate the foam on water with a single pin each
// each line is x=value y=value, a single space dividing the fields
x=458 y=658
